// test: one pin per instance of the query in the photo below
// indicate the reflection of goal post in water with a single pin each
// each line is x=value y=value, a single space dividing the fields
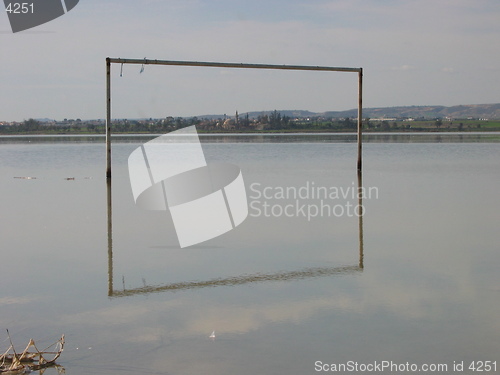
x=110 y=61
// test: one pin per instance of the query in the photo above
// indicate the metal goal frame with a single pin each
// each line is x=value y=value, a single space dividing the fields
x=110 y=60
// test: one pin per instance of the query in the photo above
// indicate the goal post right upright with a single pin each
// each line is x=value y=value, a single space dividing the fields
x=360 y=116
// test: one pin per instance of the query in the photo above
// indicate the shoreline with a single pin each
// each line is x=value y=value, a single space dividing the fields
x=260 y=132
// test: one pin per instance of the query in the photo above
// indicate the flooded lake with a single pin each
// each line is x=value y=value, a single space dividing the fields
x=313 y=279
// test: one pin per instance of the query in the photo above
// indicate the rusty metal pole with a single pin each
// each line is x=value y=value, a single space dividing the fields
x=108 y=118
x=231 y=65
x=360 y=115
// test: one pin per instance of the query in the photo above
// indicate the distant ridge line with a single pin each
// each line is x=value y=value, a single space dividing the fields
x=486 y=111
x=426 y=112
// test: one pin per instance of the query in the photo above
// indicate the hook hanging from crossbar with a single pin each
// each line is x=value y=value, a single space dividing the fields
x=142 y=67
x=121 y=71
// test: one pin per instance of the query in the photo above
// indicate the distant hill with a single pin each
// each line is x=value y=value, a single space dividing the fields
x=488 y=111
x=255 y=114
x=476 y=111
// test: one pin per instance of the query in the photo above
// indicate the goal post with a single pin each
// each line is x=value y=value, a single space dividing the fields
x=110 y=61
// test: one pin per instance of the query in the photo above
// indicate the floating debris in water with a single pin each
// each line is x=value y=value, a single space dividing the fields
x=31 y=358
x=65 y=178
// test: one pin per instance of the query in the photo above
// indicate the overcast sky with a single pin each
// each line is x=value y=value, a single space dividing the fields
x=413 y=52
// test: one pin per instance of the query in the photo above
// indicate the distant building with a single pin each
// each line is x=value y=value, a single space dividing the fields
x=383 y=119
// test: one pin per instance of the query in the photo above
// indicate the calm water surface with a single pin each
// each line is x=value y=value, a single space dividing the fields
x=416 y=280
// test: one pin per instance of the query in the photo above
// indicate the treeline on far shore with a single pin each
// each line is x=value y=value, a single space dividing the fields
x=274 y=122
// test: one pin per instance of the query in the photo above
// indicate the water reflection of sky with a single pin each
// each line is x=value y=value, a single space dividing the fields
x=428 y=292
